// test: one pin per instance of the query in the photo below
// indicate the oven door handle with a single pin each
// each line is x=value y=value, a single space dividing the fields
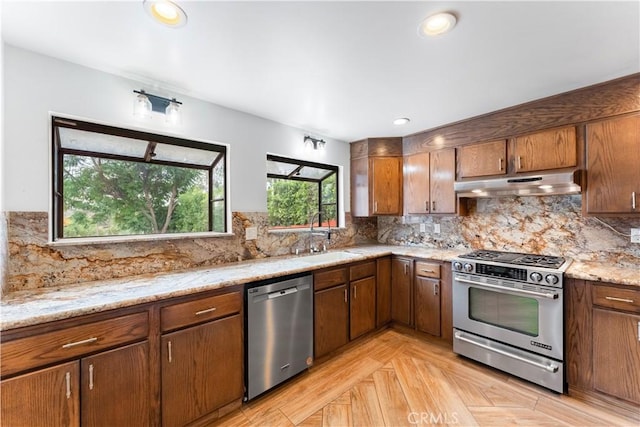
x=553 y=368
x=498 y=288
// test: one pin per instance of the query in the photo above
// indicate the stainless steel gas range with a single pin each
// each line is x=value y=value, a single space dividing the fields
x=508 y=313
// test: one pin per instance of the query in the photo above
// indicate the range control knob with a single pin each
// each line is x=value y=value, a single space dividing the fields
x=468 y=267
x=457 y=265
x=536 y=277
x=551 y=279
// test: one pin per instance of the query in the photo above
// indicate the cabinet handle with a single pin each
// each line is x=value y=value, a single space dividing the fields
x=427 y=271
x=169 y=350
x=433 y=205
x=500 y=164
x=435 y=289
x=67 y=378
x=633 y=200
x=638 y=331
x=630 y=301
x=375 y=206
x=208 y=310
x=345 y=295
x=355 y=291
x=91 y=376
x=73 y=344
x=405 y=269
x=426 y=205
x=519 y=162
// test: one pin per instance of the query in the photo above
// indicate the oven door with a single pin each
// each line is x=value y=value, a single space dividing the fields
x=526 y=316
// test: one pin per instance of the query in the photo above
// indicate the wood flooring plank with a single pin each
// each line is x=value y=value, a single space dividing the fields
x=470 y=393
x=497 y=417
x=314 y=420
x=334 y=415
x=365 y=407
x=344 y=399
x=579 y=414
x=393 y=405
x=236 y=418
x=413 y=387
x=326 y=388
x=451 y=408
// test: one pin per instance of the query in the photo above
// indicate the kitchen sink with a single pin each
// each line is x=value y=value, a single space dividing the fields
x=327 y=257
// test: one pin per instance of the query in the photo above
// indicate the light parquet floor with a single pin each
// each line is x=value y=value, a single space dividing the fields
x=395 y=378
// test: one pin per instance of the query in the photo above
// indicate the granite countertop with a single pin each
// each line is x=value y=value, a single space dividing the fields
x=31 y=307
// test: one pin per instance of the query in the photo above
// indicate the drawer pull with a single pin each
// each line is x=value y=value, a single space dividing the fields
x=73 y=344
x=630 y=301
x=208 y=310
x=67 y=378
x=633 y=200
x=428 y=271
x=500 y=164
x=519 y=162
x=91 y=376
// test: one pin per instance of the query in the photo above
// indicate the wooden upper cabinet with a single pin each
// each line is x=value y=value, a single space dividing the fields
x=428 y=182
x=416 y=183
x=386 y=186
x=376 y=177
x=442 y=164
x=551 y=149
x=613 y=166
x=484 y=159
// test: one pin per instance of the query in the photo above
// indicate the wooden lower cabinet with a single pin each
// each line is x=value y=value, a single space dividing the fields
x=616 y=354
x=48 y=396
x=603 y=339
x=331 y=319
x=201 y=369
x=106 y=389
x=401 y=290
x=427 y=305
x=362 y=307
x=446 y=303
x=115 y=387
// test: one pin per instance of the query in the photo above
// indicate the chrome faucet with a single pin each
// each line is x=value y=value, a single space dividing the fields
x=327 y=234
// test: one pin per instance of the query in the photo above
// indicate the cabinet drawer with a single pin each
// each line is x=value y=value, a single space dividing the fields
x=75 y=341
x=427 y=269
x=200 y=310
x=361 y=271
x=329 y=278
x=617 y=298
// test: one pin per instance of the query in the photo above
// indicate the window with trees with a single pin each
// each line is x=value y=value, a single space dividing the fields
x=297 y=190
x=109 y=181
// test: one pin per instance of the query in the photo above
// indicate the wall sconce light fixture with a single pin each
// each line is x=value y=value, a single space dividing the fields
x=314 y=143
x=144 y=103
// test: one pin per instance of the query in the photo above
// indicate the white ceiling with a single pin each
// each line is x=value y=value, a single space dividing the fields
x=344 y=69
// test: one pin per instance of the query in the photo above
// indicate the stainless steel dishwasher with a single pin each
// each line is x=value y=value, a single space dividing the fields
x=279 y=331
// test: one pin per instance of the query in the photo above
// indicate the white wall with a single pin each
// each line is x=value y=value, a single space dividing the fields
x=36 y=85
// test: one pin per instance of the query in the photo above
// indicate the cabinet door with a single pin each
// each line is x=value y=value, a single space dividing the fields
x=446 y=303
x=386 y=185
x=401 y=272
x=487 y=158
x=383 y=291
x=44 y=397
x=553 y=149
x=613 y=174
x=416 y=183
x=427 y=305
x=107 y=377
x=616 y=354
x=363 y=306
x=331 y=320
x=201 y=370
x=443 y=175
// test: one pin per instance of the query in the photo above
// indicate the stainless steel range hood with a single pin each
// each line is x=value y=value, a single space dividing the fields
x=542 y=184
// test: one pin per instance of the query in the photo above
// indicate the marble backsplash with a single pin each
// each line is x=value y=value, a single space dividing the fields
x=33 y=263
x=550 y=225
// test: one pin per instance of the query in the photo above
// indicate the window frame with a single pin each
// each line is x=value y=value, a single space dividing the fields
x=334 y=170
x=57 y=121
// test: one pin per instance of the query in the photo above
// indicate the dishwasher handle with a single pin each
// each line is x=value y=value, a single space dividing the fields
x=282 y=293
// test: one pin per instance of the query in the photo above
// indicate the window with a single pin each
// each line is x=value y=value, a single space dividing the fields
x=296 y=190
x=109 y=181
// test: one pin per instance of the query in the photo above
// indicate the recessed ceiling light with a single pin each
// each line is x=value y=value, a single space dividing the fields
x=437 y=24
x=165 y=12
x=401 y=121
